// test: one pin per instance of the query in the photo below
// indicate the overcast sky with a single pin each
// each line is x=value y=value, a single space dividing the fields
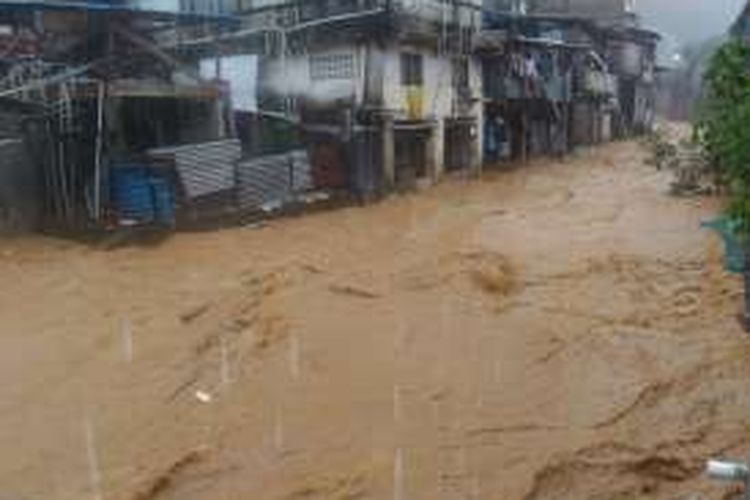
x=689 y=20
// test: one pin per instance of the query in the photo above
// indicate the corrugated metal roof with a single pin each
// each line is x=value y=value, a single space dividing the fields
x=205 y=168
x=272 y=179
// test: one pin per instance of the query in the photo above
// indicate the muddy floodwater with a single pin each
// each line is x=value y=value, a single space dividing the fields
x=562 y=331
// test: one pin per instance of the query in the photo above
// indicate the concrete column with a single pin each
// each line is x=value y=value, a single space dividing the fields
x=217 y=119
x=436 y=151
x=388 y=152
x=477 y=145
x=430 y=155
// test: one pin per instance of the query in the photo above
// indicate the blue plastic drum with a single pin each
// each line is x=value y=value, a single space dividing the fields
x=131 y=193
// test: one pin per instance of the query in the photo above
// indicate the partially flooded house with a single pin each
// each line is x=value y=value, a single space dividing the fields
x=627 y=52
x=87 y=97
x=528 y=78
x=387 y=94
x=162 y=111
x=563 y=73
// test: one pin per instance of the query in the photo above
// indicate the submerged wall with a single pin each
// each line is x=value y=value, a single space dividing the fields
x=20 y=179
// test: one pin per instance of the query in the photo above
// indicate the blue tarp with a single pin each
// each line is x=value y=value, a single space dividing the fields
x=734 y=255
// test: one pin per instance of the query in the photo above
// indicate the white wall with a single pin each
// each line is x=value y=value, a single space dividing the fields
x=437 y=88
x=241 y=73
x=439 y=94
x=439 y=97
x=293 y=77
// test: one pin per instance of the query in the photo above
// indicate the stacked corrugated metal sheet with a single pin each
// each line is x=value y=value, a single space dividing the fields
x=11 y=124
x=204 y=168
x=19 y=204
x=273 y=179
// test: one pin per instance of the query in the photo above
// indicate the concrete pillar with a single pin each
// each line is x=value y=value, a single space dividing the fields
x=477 y=145
x=216 y=122
x=436 y=151
x=388 y=153
x=431 y=152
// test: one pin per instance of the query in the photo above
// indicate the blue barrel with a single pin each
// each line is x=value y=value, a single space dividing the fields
x=131 y=193
x=164 y=199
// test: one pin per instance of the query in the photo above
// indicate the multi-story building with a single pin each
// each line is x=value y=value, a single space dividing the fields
x=612 y=31
x=606 y=10
x=101 y=93
x=387 y=93
x=528 y=85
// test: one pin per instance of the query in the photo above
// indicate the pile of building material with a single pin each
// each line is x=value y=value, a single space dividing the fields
x=692 y=170
x=687 y=160
x=20 y=203
x=662 y=151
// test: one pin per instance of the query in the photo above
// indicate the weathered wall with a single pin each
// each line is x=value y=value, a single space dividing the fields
x=437 y=91
x=20 y=178
x=349 y=75
x=439 y=99
x=584 y=7
x=627 y=57
x=328 y=75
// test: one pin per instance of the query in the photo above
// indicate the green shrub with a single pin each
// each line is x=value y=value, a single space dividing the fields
x=724 y=126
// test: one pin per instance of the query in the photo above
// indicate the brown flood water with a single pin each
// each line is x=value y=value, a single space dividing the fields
x=564 y=331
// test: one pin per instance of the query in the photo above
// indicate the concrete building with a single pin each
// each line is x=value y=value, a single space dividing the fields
x=387 y=93
x=356 y=96
x=600 y=10
x=611 y=30
x=87 y=93
x=528 y=91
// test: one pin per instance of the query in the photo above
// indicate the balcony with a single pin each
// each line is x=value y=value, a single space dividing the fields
x=598 y=83
x=312 y=10
x=555 y=89
x=435 y=11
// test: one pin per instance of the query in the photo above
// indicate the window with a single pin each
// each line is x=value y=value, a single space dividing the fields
x=332 y=67
x=412 y=69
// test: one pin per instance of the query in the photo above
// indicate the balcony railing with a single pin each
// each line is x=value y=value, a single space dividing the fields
x=599 y=83
x=310 y=10
x=555 y=89
x=431 y=10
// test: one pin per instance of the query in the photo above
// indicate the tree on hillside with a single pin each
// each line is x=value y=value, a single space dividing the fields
x=724 y=130
x=724 y=125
